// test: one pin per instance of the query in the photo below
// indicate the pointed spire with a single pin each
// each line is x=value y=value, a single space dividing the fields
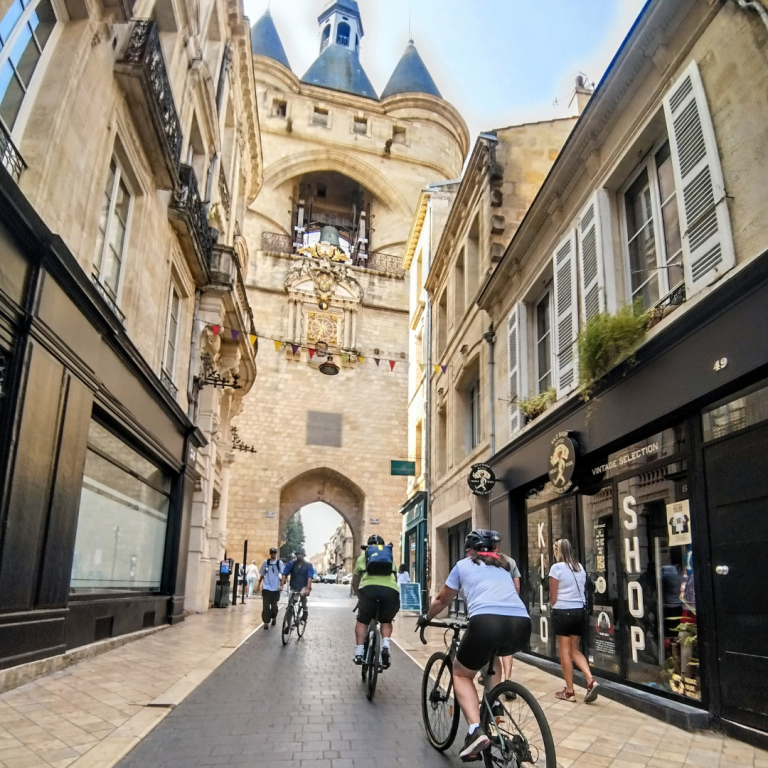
x=265 y=41
x=411 y=76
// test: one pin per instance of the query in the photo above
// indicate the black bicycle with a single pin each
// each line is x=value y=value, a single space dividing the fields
x=372 y=656
x=509 y=713
x=295 y=617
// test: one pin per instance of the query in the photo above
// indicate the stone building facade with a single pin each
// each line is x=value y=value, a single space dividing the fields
x=336 y=154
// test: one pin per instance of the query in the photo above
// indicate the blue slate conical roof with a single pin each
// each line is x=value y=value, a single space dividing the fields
x=411 y=75
x=266 y=42
x=339 y=68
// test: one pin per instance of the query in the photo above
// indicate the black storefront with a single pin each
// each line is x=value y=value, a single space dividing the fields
x=94 y=457
x=668 y=509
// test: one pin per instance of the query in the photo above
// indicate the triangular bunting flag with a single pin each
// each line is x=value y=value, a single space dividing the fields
x=295 y=348
x=437 y=368
x=392 y=365
x=345 y=358
x=422 y=366
x=311 y=353
x=360 y=359
x=376 y=360
x=443 y=368
x=235 y=334
x=215 y=329
x=252 y=337
x=278 y=344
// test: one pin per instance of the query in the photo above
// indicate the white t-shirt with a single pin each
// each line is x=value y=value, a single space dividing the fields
x=487 y=589
x=403 y=578
x=571 y=586
x=251 y=572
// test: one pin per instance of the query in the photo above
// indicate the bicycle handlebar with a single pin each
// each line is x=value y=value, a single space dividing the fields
x=456 y=626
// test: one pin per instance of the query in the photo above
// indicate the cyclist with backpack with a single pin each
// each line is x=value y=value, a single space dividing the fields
x=376 y=588
x=301 y=573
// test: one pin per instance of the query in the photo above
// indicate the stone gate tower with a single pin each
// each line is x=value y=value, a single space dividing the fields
x=343 y=168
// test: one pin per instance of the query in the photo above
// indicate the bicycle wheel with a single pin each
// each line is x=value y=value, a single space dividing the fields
x=287 y=624
x=521 y=735
x=364 y=666
x=301 y=622
x=438 y=702
x=374 y=643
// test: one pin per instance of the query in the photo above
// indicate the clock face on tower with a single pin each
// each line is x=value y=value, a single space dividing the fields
x=322 y=326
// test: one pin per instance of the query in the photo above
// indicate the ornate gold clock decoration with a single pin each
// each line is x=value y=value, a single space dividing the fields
x=324 y=285
x=323 y=326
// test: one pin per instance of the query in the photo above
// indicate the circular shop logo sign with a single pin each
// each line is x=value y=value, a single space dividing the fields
x=562 y=462
x=481 y=479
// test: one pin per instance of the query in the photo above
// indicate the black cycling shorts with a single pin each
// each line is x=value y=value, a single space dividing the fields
x=488 y=634
x=385 y=598
x=568 y=621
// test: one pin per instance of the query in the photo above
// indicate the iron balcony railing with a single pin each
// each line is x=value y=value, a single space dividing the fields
x=107 y=296
x=11 y=159
x=143 y=75
x=187 y=207
x=167 y=382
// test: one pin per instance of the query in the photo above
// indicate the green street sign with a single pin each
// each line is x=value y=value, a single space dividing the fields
x=405 y=468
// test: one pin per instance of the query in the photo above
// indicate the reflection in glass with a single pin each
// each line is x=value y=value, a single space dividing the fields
x=539 y=561
x=643 y=262
x=738 y=413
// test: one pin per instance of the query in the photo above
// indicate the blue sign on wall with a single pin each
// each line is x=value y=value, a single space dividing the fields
x=410 y=596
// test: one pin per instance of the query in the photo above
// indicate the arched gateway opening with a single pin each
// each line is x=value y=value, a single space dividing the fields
x=330 y=487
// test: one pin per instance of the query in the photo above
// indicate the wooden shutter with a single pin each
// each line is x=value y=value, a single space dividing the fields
x=517 y=365
x=566 y=313
x=594 y=248
x=707 y=243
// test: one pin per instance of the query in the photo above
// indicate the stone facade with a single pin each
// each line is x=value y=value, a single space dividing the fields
x=379 y=153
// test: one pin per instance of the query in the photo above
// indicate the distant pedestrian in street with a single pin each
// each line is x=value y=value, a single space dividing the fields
x=568 y=597
x=403 y=577
x=271 y=572
x=251 y=573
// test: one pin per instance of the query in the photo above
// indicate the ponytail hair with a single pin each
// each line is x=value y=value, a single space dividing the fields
x=489 y=558
x=565 y=549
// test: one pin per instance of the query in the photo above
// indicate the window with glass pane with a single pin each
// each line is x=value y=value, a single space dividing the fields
x=122 y=520
x=537 y=597
x=659 y=597
x=172 y=332
x=749 y=408
x=543 y=345
x=113 y=224
x=653 y=237
x=24 y=32
x=474 y=416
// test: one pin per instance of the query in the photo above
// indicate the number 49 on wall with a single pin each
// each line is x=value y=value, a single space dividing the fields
x=721 y=363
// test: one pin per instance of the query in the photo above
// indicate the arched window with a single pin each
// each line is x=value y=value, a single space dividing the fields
x=325 y=39
x=342 y=34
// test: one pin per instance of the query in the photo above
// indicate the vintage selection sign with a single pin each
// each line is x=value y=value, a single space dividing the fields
x=481 y=479
x=562 y=461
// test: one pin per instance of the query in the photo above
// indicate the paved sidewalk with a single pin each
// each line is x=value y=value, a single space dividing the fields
x=605 y=734
x=92 y=713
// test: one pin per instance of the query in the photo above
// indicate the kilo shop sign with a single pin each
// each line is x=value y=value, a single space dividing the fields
x=562 y=461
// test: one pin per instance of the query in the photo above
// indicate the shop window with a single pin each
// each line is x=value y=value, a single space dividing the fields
x=113 y=230
x=279 y=108
x=25 y=29
x=652 y=229
x=544 y=344
x=360 y=125
x=122 y=520
x=320 y=116
x=399 y=135
x=737 y=413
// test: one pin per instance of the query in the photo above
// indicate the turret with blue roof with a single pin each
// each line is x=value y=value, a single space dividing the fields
x=411 y=76
x=265 y=41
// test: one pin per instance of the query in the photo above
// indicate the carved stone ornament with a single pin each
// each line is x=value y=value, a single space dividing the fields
x=323 y=278
x=324 y=251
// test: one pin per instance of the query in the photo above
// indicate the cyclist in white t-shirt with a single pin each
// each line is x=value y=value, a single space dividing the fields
x=498 y=623
x=568 y=597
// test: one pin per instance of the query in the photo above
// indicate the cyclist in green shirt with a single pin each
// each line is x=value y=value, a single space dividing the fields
x=374 y=592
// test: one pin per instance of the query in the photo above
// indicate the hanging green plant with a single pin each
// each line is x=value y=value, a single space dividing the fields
x=605 y=341
x=535 y=406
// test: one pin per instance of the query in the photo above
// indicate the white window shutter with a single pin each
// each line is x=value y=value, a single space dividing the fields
x=591 y=269
x=517 y=365
x=704 y=222
x=566 y=314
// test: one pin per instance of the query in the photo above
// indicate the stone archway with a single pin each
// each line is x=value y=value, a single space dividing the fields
x=332 y=488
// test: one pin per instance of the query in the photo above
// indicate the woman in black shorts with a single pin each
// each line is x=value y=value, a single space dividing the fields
x=567 y=594
x=498 y=623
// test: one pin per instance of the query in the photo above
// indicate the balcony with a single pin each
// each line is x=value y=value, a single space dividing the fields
x=167 y=382
x=11 y=159
x=143 y=77
x=188 y=217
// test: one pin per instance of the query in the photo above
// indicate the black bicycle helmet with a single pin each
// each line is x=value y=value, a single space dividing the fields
x=479 y=540
x=373 y=540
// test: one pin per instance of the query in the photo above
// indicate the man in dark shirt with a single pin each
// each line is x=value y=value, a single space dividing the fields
x=299 y=574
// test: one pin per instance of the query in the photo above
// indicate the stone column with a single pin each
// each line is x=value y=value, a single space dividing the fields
x=353 y=334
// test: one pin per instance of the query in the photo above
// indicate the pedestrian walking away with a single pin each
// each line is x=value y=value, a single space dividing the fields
x=270 y=576
x=377 y=589
x=403 y=577
x=251 y=574
x=568 y=597
x=301 y=573
x=498 y=624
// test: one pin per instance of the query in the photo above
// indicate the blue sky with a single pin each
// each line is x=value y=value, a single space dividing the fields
x=499 y=62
